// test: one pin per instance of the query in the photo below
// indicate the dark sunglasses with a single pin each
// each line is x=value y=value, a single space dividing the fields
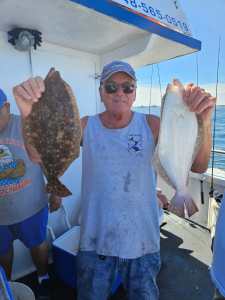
x=113 y=87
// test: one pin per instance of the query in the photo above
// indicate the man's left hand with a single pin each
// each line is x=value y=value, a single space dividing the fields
x=200 y=102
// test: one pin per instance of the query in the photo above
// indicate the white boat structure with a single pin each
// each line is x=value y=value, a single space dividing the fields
x=78 y=38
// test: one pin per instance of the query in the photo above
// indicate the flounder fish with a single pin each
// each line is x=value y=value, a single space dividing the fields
x=53 y=131
x=179 y=140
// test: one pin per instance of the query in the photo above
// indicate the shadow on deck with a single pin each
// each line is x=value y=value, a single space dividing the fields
x=186 y=256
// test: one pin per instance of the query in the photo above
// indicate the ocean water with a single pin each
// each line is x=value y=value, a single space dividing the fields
x=219 y=159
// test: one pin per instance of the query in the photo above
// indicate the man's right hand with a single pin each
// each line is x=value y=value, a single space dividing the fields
x=28 y=93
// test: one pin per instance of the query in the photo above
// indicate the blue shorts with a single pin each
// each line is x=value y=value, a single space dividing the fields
x=97 y=274
x=31 y=232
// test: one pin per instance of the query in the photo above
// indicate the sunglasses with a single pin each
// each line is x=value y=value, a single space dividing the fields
x=112 y=87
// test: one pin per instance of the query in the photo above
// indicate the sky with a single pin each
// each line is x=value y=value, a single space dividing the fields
x=207 y=22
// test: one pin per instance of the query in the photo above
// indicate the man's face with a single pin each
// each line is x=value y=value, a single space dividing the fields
x=118 y=93
x=4 y=115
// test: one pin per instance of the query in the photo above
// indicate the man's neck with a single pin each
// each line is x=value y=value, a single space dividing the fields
x=116 y=120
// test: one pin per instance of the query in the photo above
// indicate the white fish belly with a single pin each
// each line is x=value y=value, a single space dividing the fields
x=177 y=140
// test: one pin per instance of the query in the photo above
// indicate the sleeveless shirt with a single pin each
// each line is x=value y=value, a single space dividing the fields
x=119 y=209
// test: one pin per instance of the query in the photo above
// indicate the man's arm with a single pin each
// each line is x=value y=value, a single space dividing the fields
x=200 y=163
x=154 y=124
x=83 y=121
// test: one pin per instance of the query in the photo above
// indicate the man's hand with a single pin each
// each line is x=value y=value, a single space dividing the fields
x=200 y=102
x=54 y=202
x=28 y=93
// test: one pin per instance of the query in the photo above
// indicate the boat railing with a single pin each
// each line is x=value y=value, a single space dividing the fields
x=218 y=151
x=217 y=160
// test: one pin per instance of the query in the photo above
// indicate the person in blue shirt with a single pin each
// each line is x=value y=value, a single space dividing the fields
x=23 y=199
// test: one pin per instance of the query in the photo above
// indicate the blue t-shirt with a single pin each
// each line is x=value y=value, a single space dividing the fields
x=22 y=186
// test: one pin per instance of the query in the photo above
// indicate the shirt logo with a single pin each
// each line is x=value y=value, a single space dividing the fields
x=135 y=143
x=12 y=171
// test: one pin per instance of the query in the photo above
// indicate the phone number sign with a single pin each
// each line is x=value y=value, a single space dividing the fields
x=148 y=9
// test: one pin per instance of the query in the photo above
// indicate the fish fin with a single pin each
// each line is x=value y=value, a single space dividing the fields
x=176 y=205
x=176 y=81
x=190 y=205
x=50 y=73
x=56 y=187
x=178 y=84
x=168 y=88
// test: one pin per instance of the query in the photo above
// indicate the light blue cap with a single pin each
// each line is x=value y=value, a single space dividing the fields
x=115 y=67
x=3 y=98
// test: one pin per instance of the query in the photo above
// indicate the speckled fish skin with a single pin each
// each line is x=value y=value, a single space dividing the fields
x=53 y=128
x=180 y=137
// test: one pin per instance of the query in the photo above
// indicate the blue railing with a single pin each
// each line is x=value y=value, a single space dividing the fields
x=219 y=159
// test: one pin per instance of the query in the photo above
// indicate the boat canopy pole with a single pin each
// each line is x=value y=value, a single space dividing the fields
x=150 y=91
x=197 y=76
x=160 y=85
x=30 y=62
x=214 y=123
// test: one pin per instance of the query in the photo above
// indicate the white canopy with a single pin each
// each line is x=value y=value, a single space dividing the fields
x=142 y=32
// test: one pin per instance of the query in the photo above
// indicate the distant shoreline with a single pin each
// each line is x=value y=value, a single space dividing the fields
x=144 y=106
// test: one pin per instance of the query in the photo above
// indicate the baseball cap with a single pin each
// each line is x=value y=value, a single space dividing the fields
x=3 y=98
x=115 y=67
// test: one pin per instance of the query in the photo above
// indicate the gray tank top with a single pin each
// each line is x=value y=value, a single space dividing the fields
x=119 y=213
x=22 y=186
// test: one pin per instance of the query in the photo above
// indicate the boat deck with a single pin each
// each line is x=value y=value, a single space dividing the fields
x=186 y=256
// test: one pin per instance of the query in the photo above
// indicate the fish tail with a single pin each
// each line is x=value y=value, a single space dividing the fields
x=56 y=187
x=190 y=205
x=176 y=205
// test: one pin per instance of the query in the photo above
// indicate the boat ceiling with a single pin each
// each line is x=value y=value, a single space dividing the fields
x=68 y=24
x=85 y=26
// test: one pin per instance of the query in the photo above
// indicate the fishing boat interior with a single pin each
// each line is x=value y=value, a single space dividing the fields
x=78 y=37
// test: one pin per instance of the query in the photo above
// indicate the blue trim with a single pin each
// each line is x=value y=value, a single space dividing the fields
x=123 y=15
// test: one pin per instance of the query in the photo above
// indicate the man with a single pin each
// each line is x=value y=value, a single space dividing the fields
x=120 y=221
x=218 y=267
x=23 y=200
